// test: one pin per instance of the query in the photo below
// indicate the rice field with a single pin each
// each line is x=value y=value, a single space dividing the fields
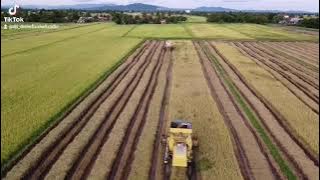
x=96 y=101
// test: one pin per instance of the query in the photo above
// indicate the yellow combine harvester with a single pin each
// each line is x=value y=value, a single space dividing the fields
x=179 y=146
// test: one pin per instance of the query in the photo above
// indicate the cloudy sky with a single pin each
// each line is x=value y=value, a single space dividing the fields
x=307 y=5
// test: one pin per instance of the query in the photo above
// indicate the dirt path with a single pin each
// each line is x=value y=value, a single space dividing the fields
x=258 y=161
x=72 y=123
x=301 y=159
x=306 y=97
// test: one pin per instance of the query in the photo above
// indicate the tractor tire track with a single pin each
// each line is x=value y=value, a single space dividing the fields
x=81 y=167
x=297 y=155
x=310 y=100
x=260 y=164
x=122 y=163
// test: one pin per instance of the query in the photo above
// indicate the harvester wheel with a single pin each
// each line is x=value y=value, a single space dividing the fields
x=195 y=142
x=167 y=170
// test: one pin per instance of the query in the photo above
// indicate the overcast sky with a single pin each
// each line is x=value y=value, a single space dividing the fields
x=307 y=5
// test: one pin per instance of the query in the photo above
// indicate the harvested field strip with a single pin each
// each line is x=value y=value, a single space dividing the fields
x=301 y=57
x=148 y=149
x=53 y=152
x=312 y=96
x=239 y=149
x=294 y=111
x=300 y=157
x=303 y=82
x=310 y=46
x=190 y=100
x=79 y=113
x=313 y=60
x=296 y=91
x=292 y=57
x=301 y=49
x=307 y=72
x=122 y=163
x=70 y=155
x=252 y=117
x=84 y=163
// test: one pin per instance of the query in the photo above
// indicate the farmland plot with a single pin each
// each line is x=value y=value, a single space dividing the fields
x=35 y=89
x=254 y=116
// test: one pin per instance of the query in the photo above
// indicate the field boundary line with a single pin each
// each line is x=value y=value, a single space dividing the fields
x=52 y=122
x=52 y=43
x=188 y=30
x=131 y=29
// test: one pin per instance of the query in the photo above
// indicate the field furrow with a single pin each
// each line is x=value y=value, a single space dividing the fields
x=300 y=120
x=301 y=49
x=301 y=159
x=291 y=57
x=300 y=54
x=258 y=160
x=298 y=77
x=308 y=98
x=149 y=147
x=71 y=153
x=86 y=159
x=75 y=119
x=314 y=76
x=122 y=163
x=45 y=164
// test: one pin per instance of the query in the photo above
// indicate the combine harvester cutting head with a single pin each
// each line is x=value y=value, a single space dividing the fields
x=179 y=147
x=169 y=45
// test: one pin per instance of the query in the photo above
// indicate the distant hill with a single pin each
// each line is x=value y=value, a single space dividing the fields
x=143 y=8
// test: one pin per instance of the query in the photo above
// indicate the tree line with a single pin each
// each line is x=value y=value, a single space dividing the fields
x=310 y=23
x=144 y=18
x=240 y=17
